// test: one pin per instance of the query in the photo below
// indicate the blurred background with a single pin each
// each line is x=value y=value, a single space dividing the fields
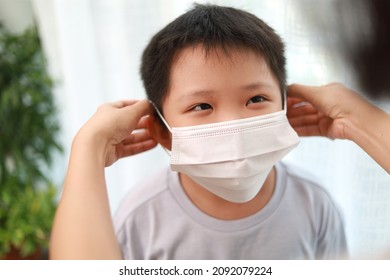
x=87 y=52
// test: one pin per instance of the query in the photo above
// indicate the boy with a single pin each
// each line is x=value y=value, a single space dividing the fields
x=217 y=78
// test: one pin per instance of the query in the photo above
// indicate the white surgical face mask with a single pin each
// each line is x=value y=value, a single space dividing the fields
x=232 y=159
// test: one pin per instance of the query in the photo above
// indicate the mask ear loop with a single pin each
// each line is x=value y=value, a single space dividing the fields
x=161 y=116
x=165 y=123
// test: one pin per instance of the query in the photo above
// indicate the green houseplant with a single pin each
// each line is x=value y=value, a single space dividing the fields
x=28 y=129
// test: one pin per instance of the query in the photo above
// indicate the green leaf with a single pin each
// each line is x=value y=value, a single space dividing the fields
x=29 y=138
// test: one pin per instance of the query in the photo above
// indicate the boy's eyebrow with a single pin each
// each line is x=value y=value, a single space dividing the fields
x=196 y=93
x=208 y=93
x=256 y=85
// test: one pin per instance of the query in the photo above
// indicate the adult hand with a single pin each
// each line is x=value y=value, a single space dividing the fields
x=118 y=130
x=324 y=110
x=335 y=111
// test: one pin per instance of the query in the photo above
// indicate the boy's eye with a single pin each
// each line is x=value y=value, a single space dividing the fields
x=201 y=107
x=255 y=99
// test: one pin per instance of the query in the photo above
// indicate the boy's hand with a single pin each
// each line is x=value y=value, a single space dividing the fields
x=110 y=131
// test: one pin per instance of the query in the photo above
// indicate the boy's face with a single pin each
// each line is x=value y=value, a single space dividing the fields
x=215 y=88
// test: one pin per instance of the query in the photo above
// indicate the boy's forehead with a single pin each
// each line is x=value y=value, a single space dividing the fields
x=200 y=69
x=219 y=53
x=200 y=61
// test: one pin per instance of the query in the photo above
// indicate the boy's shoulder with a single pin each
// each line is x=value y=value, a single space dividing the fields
x=303 y=184
x=297 y=174
x=144 y=193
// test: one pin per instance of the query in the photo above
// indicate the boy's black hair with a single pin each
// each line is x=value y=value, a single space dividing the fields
x=212 y=26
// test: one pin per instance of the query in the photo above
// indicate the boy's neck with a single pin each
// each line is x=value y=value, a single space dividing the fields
x=219 y=208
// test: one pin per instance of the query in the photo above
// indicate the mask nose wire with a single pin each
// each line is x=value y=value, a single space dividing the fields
x=161 y=116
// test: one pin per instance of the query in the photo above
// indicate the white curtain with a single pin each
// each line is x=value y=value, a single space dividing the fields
x=94 y=49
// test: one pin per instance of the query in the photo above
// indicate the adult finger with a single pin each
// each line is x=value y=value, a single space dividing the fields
x=307 y=120
x=134 y=112
x=302 y=109
x=124 y=103
x=140 y=147
x=293 y=100
x=308 y=130
x=138 y=136
x=142 y=124
x=301 y=91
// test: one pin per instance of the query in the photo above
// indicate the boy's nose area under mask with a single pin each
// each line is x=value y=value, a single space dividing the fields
x=232 y=159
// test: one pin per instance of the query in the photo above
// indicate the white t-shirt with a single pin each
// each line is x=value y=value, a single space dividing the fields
x=157 y=220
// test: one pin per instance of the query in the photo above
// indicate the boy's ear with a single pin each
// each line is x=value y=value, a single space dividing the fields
x=159 y=132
